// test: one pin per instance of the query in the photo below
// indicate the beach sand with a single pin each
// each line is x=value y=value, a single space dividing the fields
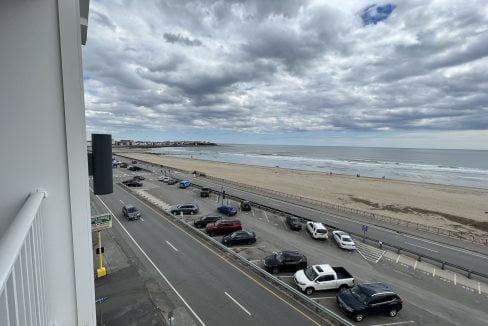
x=453 y=208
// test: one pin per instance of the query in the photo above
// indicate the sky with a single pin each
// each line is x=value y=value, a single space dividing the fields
x=343 y=73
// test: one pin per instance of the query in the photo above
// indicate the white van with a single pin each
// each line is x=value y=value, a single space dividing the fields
x=317 y=230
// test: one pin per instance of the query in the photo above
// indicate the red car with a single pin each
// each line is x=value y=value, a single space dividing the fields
x=224 y=226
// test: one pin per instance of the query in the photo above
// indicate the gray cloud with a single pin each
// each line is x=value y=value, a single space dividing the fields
x=280 y=66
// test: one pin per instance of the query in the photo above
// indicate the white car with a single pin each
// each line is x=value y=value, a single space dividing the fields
x=317 y=230
x=163 y=179
x=344 y=240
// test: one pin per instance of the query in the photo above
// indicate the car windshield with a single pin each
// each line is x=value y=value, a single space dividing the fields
x=310 y=273
x=132 y=209
x=346 y=239
x=321 y=231
x=280 y=257
x=359 y=294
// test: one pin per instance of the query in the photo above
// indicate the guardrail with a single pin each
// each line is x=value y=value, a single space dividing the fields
x=398 y=249
x=23 y=293
x=294 y=293
x=465 y=236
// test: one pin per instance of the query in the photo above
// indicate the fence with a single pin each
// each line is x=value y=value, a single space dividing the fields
x=23 y=294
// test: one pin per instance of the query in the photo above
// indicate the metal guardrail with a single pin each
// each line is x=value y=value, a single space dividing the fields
x=310 y=303
x=465 y=236
x=398 y=249
x=23 y=294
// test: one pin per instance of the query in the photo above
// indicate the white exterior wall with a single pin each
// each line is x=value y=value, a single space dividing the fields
x=43 y=144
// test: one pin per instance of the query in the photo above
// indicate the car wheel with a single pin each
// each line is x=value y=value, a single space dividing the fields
x=191 y=212
x=393 y=312
x=358 y=317
x=343 y=287
x=274 y=270
x=309 y=291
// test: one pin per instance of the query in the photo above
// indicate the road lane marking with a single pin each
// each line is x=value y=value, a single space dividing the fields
x=322 y=298
x=256 y=261
x=246 y=247
x=169 y=244
x=152 y=263
x=266 y=215
x=397 y=323
x=121 y=202
x=303 y=314
x=479 y=288
x=421 y=247
x=284 y=224
x=142 y=219
x=237 y=303
x=253 y=212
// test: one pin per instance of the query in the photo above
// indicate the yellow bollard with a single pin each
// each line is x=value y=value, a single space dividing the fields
x=101 y=271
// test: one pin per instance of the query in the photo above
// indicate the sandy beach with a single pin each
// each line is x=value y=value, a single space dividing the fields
x=450 y=207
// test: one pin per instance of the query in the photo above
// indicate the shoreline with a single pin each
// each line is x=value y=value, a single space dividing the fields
x=455 y=208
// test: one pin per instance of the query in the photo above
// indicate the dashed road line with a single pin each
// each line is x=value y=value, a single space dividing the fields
x=237 y=303
x=421 y=247
x=397 y=323
x=169 y=244
x=266 y=215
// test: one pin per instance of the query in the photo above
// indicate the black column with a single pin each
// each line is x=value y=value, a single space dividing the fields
x=102 y=164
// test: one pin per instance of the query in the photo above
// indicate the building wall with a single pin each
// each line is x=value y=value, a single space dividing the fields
x=43 y=143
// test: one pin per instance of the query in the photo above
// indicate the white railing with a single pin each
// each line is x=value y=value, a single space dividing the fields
x=23 y=293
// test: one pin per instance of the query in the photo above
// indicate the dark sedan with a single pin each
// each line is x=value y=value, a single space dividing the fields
x=227 y=210
x=246 y=205
x=369 y=299
x=132 y=183
x=285 y=261
x=293 y=223
x=204 y=220
x=239 y=238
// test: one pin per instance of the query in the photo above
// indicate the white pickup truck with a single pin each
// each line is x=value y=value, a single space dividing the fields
x=323 y=277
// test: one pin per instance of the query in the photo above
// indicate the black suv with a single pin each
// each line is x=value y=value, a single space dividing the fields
x=289 y=261
x=185 y=209
x=132 y=183
x=246 y=206
x=134 y=168
x=205 y=192
x=369 y=299
x=293 y=223
x=204 y=220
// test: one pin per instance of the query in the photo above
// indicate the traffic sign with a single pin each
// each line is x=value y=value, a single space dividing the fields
x=101 y=222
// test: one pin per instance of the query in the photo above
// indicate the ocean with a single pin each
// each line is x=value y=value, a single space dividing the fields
x=443 y=166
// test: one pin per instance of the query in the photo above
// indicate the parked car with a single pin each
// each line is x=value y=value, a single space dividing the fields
x=369 y=299
x=204 y=192
x=344 y=240
x=134 y=162
x=163 y=179
x=139 y=177
x=293 y=223
x=131 y=212
x=172 y=181
x=228 y=210
x=323 y=277
x=223 y=226
x=123 y=165
x=317 y=230
x=132 y=183
x=185 y=209
x=239 y=238
x=133 y=168
x=204 y=220
x=246 y=206
x=285 y=261
x=184 y=184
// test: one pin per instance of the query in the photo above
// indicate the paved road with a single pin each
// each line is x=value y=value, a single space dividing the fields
x=218 y=292
x=454 y=253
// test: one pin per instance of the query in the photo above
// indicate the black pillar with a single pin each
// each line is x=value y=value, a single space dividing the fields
x=102 y=164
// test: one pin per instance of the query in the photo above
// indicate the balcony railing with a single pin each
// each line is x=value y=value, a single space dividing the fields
x=23 y=294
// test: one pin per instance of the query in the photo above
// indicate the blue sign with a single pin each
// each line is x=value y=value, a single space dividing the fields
x=364 y=228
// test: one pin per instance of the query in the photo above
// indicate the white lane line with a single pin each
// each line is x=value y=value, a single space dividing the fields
x=152 y=263
x=266 y=215
x=466 y=251
x=169 y=244
x=421 y=247
x=121 y=202
x=256 y=261
x=323 y=298
x=142 y=219
x=253 y=212
x=397 y=323
x=237 y=303
x=284 y=224
x=285 y=276
x=257 y=247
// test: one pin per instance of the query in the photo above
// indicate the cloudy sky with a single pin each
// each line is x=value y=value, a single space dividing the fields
x=360 y=73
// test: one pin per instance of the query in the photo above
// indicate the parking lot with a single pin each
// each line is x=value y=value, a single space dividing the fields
x=427 y=300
